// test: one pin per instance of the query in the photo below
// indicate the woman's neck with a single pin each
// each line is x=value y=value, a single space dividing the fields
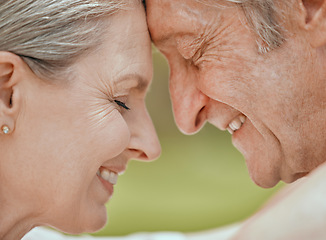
x=16 y=231
x=15 y=222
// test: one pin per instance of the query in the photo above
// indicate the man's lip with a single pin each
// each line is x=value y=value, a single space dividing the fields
x=223 y=123
x=236 y=124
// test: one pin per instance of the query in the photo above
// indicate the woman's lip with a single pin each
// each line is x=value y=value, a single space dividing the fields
x=117 y=169
x=106 y=185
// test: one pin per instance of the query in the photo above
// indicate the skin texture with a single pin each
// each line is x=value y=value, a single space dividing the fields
x=296 y=212
x=217 y=74
x=63 y=132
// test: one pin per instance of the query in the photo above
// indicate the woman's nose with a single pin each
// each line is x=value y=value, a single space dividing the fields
x=144 y=144
x=188 y=104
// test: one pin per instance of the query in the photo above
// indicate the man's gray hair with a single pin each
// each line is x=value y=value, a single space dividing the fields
x=264 y=18
x=49 y=35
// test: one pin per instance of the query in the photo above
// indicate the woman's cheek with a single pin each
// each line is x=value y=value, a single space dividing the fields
x=112 y=132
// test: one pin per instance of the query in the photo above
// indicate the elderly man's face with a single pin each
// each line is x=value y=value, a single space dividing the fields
x=273 y=104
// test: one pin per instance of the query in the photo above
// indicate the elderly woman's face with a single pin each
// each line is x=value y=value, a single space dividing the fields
x=218 y=75
x=70 y=130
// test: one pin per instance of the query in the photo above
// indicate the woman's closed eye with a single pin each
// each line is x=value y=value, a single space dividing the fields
x=122 y=104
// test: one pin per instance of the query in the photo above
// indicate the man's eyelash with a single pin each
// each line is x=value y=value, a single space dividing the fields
x=121 y=104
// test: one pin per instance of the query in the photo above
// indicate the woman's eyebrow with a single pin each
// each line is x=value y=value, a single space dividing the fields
x=141 y=80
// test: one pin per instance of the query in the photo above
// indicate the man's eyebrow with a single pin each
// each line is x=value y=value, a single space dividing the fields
x=162 y=38
x=142 y=83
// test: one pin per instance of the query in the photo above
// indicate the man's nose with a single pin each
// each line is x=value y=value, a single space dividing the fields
x=144 y=144
x=188 y=104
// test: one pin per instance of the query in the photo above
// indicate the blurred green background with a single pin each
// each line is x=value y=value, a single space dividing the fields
x=199 y=182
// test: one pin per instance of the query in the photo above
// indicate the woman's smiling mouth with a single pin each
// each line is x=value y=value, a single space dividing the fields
x=108 y=178
x=108 y=175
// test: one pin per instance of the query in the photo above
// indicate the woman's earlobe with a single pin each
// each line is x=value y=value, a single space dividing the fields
x=5 y=129
x=314 y=21
x=7 y=124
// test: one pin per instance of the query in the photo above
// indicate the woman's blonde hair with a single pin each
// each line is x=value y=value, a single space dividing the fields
x=49 y=35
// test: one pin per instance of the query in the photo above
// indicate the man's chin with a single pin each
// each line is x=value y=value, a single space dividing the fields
x=294 y=177
x=268 y=181
x=264 y=180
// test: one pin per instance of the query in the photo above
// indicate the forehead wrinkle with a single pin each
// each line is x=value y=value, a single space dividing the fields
x=217 y=37
x=187 y=16
x=189 y=45
x=204 y=20
x=221 y=4
x=211 y=29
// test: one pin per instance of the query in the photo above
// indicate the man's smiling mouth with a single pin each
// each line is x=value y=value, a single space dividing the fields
x=236 y=123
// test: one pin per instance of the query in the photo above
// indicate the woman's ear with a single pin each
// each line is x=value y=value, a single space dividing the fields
x=313 y=21
x=11 y=74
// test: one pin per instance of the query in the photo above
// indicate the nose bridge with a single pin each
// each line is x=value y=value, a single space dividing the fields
x=188 y=102
x=144 y=142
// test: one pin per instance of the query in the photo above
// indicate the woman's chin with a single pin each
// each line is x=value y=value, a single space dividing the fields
x=95 y=222
x=87 y=223
x=97 y=225
x=89 y=228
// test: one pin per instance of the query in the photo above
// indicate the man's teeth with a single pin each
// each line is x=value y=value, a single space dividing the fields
x=236 y=124
x=108 y=176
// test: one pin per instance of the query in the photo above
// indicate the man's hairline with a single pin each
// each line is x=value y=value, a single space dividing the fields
x=265 y=43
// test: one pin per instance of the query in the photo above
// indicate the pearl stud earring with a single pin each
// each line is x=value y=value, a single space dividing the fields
x=5 y=129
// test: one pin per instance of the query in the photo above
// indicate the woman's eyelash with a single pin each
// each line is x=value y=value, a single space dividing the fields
x=121 y=104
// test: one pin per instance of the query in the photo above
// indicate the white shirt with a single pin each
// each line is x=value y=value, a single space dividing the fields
x=40 y=233
x=224 y=233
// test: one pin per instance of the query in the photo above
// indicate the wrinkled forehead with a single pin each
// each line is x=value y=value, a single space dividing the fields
x=174 y=18
x=171 y=17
